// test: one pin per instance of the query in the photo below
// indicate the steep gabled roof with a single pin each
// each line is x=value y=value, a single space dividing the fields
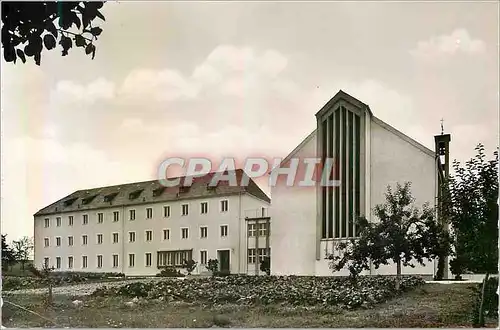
x=341 y=95
x=150 y=192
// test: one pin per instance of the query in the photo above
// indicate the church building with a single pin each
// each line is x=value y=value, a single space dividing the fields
x=370 y=155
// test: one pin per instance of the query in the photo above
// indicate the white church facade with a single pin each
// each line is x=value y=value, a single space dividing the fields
x=308 y=222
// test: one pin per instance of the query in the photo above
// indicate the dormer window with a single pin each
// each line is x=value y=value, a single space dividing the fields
x=109 y=198
x=211 y=187
x=70 y=201
x=184 y=189
x=89 y=199
x=158 y=191
x=135 y=194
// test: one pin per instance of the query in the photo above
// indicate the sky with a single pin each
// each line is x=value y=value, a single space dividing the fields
x=240 y=79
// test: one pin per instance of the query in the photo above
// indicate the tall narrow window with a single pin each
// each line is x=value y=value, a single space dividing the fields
x=132 y=214
x=58 y=222
x=116 y=216
x=185 y=209
x=149 y=213
x=99 y=261
x=70 y=262
x=100 y=217
x=204 y=207
x=84 y=262
x=224 y=205
x=166 y=211
x=203 y=232
x=131 y=260
x=341 y=140
x=115 y=261
x=149 y=260
x=70 y=220
x=223 y=230
x=203 y=257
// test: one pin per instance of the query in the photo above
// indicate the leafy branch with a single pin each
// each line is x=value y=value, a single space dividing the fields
x=29 y=27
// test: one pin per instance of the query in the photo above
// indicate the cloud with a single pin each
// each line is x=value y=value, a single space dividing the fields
x=100 y=88
x=37 y=172
x=164 y=85
x=459 y=41
x=227 y=70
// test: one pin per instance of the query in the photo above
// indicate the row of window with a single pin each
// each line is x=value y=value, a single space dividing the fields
x=254 y=253
x=224 y=207
x=168 y=258
x=148 y=257
x=224 y=231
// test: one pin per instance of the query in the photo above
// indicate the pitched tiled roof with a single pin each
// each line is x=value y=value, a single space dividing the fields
x=150 y=192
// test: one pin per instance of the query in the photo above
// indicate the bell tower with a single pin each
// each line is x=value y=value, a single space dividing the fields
x=442 y=147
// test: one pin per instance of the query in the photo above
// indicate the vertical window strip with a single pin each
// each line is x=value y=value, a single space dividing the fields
x=330 y=177
x=350 y=231
x=323 y=189
x=337 y=173
x=357 y=184
x=343 y=165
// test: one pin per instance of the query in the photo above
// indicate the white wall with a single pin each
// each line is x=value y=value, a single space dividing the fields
x=394 y=160
x=213 y=220
x=293 y=230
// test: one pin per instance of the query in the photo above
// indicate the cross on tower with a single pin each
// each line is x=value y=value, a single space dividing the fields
x=442 y=127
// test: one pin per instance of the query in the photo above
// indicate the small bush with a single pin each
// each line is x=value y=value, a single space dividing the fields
x=490 y=300
x=169 y=272
x=213 y=265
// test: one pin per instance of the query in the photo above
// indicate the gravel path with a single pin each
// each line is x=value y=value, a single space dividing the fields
x=81 y=289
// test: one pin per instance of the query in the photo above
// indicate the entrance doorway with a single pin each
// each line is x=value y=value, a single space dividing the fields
x=224 y=263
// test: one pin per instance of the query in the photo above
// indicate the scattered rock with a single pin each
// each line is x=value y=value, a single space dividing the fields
x=77 y=302
x=129 y=304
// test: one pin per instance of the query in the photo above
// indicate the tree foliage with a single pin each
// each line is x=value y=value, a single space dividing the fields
x=471 y=204
x=265 y=265
x=8 y=256
x=189 y=266
x=23 y=249
x=29 y=27
x=213 y=265
x=404 y=235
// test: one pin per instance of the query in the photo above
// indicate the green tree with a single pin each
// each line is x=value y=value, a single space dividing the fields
x=8 y=257
x=471 y=204
x=23 y=249
x=403 y=235
x=213 y=266
x=29 y=27
x=265 y=265
x=189 y=266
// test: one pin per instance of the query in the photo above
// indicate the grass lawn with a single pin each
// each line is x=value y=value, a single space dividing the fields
x=433 y=305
